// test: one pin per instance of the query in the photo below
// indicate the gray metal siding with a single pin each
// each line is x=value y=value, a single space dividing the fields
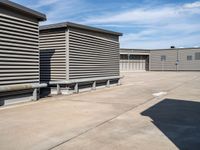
x=171 y=58
x=19 y=51
x=185 y=64
x=168 y=65
x=91 y=55
x=53 y=55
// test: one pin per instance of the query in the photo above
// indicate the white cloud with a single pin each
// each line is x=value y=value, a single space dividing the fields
x=135 y=16
x=192 y=5
x=62 y=10
x=158 y=26
x=187 y=41
x=162 y=37
x=42 y=3
x=146 y=15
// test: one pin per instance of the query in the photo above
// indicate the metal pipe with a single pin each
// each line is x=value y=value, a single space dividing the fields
x=9 y=88
x=84 y=80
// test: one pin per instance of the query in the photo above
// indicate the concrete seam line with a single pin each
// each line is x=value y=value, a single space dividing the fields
x=132 y=108
x=101 y=124
x=84 y=101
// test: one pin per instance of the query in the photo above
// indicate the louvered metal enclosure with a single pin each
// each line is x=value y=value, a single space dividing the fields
x=70 y=51
x=19 y=45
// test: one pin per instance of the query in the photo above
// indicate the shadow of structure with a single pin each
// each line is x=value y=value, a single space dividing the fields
x=45 y=69
x=179 y=120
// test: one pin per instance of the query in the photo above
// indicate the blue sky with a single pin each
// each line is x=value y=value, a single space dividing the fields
x=145 y=23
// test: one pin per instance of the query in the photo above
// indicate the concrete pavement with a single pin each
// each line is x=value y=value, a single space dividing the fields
x=123 y=117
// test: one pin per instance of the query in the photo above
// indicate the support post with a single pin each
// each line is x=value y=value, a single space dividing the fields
x=35 y=94
x=108 y=83
x=119 y=82
x=94 y=85
x=58 y=89
x=76 y=89
x=2 y=102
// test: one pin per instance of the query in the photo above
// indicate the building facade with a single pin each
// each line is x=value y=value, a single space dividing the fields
x=174 y=59
x=19 y=47
x=177 y=59
x=134 y=60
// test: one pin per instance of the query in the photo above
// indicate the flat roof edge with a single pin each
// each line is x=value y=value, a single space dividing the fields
x=160 y=49
x=75 y=25
x=36 y=14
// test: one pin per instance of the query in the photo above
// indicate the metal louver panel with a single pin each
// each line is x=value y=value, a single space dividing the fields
x=92 y=56
x=19 y=50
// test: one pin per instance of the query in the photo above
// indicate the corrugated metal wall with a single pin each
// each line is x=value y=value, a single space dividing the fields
x=19 y=54
x=157 y=64
x=185 y=64
x=91 y=55
x=53 y=55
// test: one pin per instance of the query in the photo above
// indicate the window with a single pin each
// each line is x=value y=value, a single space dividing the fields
x=124 y=57
x=189 y=57
x=132 y=57
x=163 y=58
x=197 y=56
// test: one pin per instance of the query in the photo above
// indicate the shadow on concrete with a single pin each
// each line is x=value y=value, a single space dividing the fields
x=179 y=120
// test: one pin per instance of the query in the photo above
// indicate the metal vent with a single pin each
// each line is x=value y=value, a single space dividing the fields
x=19 y=54
x=92 y=56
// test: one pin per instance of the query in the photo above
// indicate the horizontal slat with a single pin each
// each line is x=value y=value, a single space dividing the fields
x=19 y=41
x=49 y=35
x=18 y=82
x=19 y=19
x=18 y=45
x=18 y=78
x=10 y=21
x=19 y=30
x=4 y=51
x=52 y=47
x=92 y=40
x=18 y=38
x=18 y=34
x=90 y=36
x=18 y=74
x=19 y=27
x=18 y=56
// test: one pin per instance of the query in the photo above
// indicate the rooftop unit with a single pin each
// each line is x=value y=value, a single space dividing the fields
x=73 y=52
x=19 y=48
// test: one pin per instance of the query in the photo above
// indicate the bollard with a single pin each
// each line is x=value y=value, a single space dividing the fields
x=76 y=90
x=58 y=89
x=94 y=85
x=119 y=82
x=108 y=83
x=35 y=94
